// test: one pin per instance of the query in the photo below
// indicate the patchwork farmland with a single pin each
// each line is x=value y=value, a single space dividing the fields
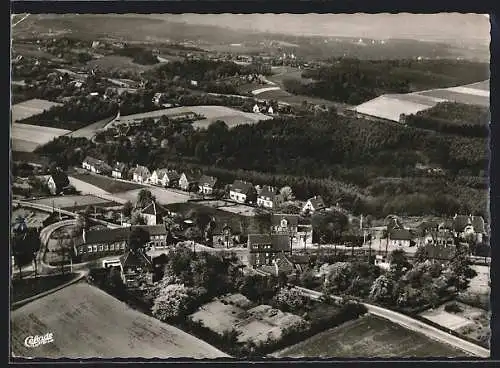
x=231 y=116
x=369 y=337
x=86 y=323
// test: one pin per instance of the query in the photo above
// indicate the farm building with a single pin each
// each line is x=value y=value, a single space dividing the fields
x=96 y=166
x=242 y=192
x=153 y=213
x=189 y=181
x=120 y=171
x=268 y=197
x=314 y=204
x=206 y=184
x=141 y=174
x=136 y=270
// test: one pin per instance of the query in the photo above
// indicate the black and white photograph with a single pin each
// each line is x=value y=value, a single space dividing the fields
x=249 y=186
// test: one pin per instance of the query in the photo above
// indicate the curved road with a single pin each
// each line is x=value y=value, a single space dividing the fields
x=412 y=324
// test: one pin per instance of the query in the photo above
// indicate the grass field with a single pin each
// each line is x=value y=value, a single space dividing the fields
x=70 y=201
x=26 y=288
x=26 y=138
x=29 y=108
x=90 y=130
x=163 y=196
x=86 y=323
x=239 y=209
x=369 y=337
x=107 y=184
x=116 y=62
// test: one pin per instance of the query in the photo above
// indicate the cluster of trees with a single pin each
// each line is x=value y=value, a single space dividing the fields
x=25 y=243
x=452 y=118
x=206 y=70
x=139 y=55
x=354 y=81
x=405 y=285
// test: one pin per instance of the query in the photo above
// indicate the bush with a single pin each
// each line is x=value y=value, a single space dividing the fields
x=453 y=308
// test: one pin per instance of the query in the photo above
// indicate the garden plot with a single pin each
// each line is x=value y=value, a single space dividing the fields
x=257 y=324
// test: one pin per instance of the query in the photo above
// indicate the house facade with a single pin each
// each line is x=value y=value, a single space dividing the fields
x=301 y=235
x=158 y=177
x=108 y=242
x=153 y=214
x=96 y=166
x=242 y=192
x=57 y=182
x=400 y=238
x=314 y=204
x=268 y=197
x=225 y=237
x=188 y=181
x=263 y=249
x=136 y=270
x=206 y=184
x=119 y=171
x=469 y=227
x=141 y=174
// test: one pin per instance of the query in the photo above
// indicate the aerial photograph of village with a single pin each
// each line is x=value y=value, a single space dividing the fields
x=247 y=186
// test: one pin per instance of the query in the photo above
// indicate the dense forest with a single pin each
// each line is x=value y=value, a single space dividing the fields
x=139 y=55
x=342 y=159
x=453 y=118
x=355 y=81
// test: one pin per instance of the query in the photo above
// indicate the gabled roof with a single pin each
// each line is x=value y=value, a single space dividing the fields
x=243 y=187
x=268 y=192
x=97 y=163
x=142 y=171
x=292 y=220
x=154 y=209
x=60 y=179
x=172 y=175
x=461 y=221
x=137 y=258
x=400 y=234
x=317 y=202
x=191 y=177
x=120 y=166
x=160 y=173
x=208 y=181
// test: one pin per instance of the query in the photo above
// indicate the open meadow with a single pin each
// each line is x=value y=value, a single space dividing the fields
x=107 y=184
x=29 y=108
x=87 y=323
x=26 y=138
x=70 y=202
x=162 y=195
x=369 y=337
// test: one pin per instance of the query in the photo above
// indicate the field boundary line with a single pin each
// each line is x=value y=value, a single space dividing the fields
x=20 y=303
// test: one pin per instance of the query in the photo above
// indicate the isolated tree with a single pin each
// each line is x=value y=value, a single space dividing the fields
x=287 y=194
x=289 y=299
x=399 y=263
x=137 y=239
x=144 y=197
x=381 y=289
x=127 y=209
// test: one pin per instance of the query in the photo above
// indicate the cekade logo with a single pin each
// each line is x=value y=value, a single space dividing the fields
x=34 y=341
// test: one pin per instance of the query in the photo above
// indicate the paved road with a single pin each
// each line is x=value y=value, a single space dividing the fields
x=414 y=325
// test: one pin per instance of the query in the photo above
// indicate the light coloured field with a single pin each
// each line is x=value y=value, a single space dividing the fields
x=69 y=201
x=29 y=108
x=87 y=323
x=27 y=137
x=446 y=319
x=232 y=117
x=163 y=196
x=116 y=62
x=453 y=95
x=369 y=337
x=238 y=209
x=480 y=283
x=90 y=130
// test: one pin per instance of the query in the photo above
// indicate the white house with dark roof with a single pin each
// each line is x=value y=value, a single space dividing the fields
x=120 y=171
x=96 y=166
x=314 y=204
x=242 y=192
x=159 y=177
x=206 y=184
x=189 y=181
x=301 y=235
x=399 y=237
x=153 y=213
x=268 y=197
x=141 y=174
x=469 y=226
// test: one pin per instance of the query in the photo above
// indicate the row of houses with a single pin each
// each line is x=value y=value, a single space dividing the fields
x=240 y=191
